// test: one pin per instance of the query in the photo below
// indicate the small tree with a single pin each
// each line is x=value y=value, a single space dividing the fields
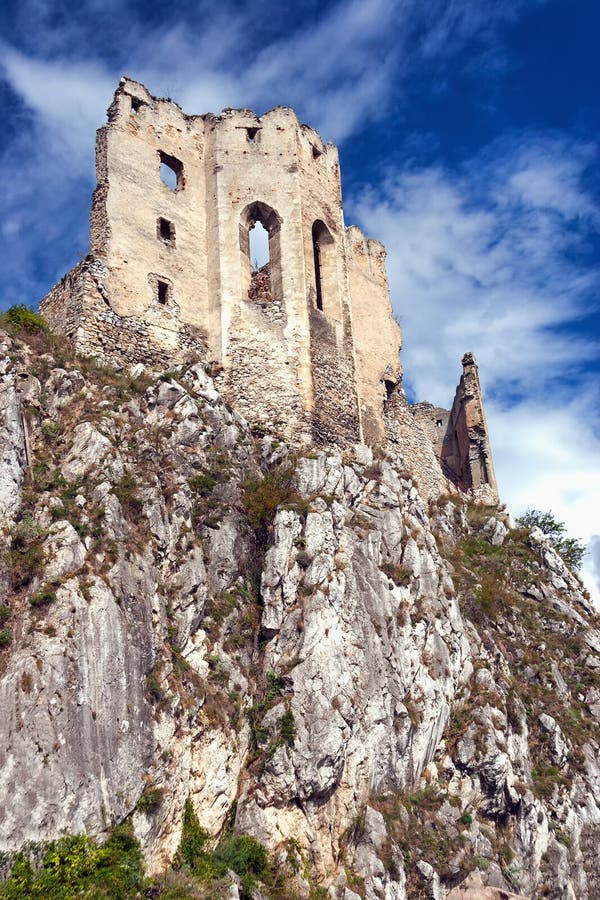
x=22 y=318
x=572 y=550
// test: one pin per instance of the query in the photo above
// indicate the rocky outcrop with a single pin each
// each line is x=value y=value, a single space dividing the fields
x=399 y=696
x=13 y=454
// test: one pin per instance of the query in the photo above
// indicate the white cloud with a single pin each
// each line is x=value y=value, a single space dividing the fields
x=70 y=100
x=547 y=456
x=475 y=264
x=482 y=260
x=591 y=568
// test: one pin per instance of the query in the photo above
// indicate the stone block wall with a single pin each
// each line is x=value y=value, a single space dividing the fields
x=79 y=308
x=413 y=441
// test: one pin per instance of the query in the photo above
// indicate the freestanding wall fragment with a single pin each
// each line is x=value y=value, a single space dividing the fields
x=460 y=436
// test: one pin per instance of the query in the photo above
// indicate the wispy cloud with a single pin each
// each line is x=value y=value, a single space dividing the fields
x=483 y=258
x=591 y=567
x=339 y=65
x=492 y=258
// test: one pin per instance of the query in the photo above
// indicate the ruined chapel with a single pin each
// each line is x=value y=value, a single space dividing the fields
x=307 y=345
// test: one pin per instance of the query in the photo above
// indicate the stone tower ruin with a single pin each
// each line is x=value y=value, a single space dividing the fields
x=313 y=350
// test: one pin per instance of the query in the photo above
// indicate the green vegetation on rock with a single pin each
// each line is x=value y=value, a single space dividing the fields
x=572 y=550
x=22 y=318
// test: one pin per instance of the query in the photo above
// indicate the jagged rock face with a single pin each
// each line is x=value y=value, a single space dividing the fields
x=12 y=438
x=399 y=691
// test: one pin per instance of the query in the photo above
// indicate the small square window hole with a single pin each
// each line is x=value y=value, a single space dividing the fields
x=162 y=292
x=165 y=231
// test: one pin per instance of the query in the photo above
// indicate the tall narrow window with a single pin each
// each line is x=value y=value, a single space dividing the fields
x=317 y=259
x=259 y=246
x=171 y=171
x=327 y=289
x=136 y=105
x=261 y=253
x=162 y=292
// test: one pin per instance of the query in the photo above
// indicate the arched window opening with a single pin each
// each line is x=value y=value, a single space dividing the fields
x=171 y=171
x=261 y=253
x=325 y=262
x=260 y=264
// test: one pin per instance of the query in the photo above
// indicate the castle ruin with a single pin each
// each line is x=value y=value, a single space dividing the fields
x=308 y=344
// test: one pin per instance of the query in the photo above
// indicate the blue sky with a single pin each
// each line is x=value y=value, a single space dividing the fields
x=468 y=134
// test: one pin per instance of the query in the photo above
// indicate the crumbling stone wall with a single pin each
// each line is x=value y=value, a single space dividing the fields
x=175 y=262
x=408 y=436
x=434 y=421
x=377 y=337
x=466 y=454
x=78 y=307
x=335 y=416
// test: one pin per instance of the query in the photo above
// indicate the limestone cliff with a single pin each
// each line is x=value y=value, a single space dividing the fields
x=399 y=697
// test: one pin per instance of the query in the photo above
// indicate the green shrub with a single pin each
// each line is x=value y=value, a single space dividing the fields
x=243 y=854
x=51 y=430
x=248 y=858
x=75 y=866
x=126 y=492
x=275 y=684
x=262 y=497
x=202 y=485
x=194 y=838
x=5 y=637
x=23 y=318
x=287 y=728
x=43 y=597
x=545 y=779
x=572 y=550
x=25 y=557
x=150 y=800
x=5 y=613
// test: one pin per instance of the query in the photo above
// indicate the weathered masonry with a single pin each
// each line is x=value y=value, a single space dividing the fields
x=460 y=435
x=309 y=342
x=169 y=270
